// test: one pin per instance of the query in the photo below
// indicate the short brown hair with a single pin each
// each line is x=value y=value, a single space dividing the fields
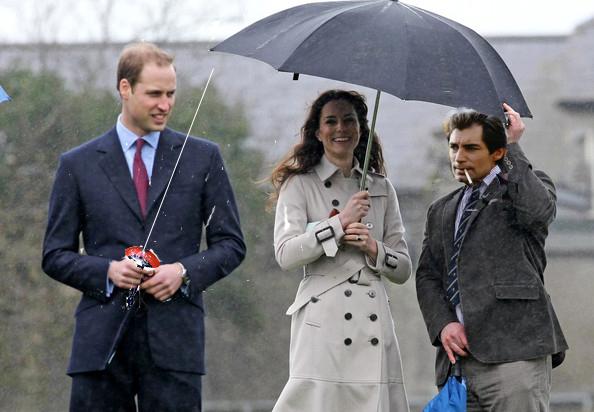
x=494 y=135
x=135 y=56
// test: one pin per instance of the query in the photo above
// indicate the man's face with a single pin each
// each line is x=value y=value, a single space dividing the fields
x=468 y=151
x=147 y=107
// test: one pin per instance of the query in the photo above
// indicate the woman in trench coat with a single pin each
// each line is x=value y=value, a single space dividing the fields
x=344 y=354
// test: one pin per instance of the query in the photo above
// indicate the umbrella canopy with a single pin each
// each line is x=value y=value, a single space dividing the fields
x=386 y=45
x=4 y=97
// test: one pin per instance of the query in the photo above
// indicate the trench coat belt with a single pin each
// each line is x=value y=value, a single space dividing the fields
x=324 y=283
x=363 y=278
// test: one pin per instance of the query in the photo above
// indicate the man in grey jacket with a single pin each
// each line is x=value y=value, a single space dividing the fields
x=480 y=280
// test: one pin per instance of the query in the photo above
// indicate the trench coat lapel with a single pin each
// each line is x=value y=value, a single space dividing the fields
x=113 y=163
x=167 y=153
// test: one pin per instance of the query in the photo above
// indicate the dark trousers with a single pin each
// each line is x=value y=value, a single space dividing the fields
x=132 y=379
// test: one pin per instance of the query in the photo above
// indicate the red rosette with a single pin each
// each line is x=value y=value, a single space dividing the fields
x=147 y=258
x=334 y=212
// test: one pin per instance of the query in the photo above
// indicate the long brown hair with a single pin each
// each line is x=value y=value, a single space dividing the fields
x=306 y=154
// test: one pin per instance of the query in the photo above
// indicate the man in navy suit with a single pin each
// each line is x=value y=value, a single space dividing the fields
x=152 y=348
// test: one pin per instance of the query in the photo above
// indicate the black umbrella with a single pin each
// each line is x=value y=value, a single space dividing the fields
x=386 y=45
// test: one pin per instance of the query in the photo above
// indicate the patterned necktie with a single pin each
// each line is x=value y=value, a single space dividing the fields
x=140 y=177
x=452 y=291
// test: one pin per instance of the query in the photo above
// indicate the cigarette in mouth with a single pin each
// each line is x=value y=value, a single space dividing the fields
x=467 y=176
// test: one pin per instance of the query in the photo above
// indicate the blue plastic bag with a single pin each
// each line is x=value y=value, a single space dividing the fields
x=451 y=398
x=4 y=97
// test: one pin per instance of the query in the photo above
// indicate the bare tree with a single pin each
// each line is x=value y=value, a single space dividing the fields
x=105 y=10
x=105 y=21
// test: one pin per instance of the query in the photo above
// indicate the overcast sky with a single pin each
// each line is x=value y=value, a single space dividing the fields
x=83 y=20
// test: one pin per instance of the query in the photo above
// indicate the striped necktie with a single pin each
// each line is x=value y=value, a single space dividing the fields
x=453 y=292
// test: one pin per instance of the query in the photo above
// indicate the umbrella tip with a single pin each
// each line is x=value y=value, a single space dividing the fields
x=295 y=76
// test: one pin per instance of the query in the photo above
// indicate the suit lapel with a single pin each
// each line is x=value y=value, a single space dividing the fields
x=449 y=222
x=165 y=158
x=493 y=191
x=115 y=167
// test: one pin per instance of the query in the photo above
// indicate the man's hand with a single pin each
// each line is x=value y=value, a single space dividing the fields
x=516 y=125
x=163 y=281
x=125 y=273
x=453 y=339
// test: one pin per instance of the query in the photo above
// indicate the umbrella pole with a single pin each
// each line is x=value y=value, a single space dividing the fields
x=369 y=143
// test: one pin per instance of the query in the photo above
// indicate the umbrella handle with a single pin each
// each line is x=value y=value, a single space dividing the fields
x=457 y=368
x=369 y=143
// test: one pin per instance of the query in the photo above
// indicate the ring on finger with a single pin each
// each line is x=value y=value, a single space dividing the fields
x=358 y=237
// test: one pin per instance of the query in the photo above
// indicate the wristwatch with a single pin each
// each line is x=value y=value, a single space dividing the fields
x=185 y=286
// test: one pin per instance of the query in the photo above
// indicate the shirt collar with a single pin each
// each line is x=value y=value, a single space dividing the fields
x=487 y=180
x=128 y=137
x=490 y=177
x=326 y=169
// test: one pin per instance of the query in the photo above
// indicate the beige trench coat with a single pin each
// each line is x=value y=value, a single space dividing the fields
x=344 y=354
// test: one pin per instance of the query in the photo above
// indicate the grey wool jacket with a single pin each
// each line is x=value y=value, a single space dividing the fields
x=508 y=314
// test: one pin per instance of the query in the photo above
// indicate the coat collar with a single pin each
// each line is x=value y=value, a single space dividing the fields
x=325 y=169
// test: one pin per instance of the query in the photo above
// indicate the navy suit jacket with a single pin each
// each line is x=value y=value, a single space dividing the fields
x=94 y=196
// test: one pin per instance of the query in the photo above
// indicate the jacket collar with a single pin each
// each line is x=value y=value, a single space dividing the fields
x=325 y=169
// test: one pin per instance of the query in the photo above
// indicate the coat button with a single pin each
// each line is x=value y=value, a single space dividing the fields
x=348 y=316
x=335 y=202
x=328 y=183
x=374 y=341
x=371 y=294
x=348 y=341
x=314 y=299
x=373 y=317
x=348 y=293
x=369 y=225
